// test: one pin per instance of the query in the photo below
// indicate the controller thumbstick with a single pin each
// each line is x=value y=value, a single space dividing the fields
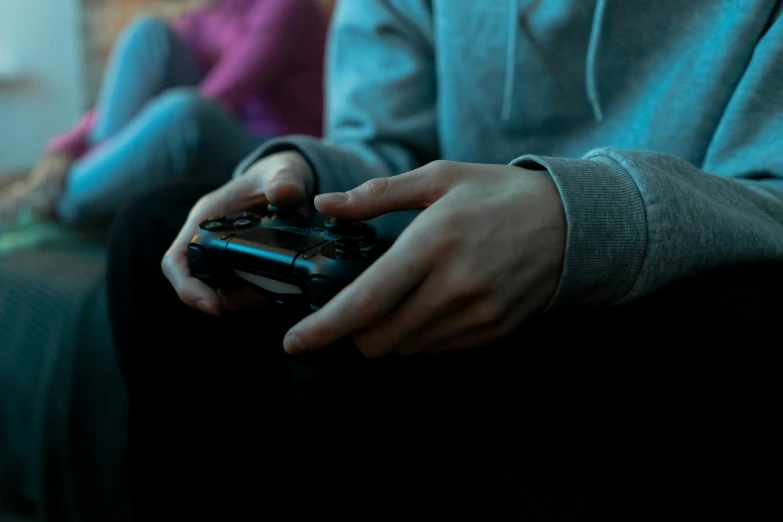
x=347 y=245
x=334 y=224
x=348 y=227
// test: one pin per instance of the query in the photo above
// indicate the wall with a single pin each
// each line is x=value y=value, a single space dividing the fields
x=61 y=47
x=41 y=41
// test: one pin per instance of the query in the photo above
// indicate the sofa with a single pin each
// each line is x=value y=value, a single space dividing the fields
x=62 y=400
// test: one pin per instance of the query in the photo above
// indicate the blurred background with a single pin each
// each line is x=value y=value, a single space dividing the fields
x=52 y=56
x=62 y=401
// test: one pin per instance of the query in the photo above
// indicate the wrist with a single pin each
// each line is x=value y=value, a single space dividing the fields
x=607 y=228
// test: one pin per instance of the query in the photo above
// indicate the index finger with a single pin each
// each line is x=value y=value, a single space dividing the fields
x=235 y=196
x=191 y=291
x=367 y=299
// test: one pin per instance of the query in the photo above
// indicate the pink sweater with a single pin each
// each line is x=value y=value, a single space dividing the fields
x=263 y=62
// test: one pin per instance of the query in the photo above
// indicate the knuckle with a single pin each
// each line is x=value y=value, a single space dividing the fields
x=444 y=232
x=463 y=288
x=449 y=224
x=167 y=265
x=375 y=187
x=368 y=309
x=469 y=284
x=165 y=262
x=439 y=167
x=489 y=314
x=202 y=202
x=203 y=207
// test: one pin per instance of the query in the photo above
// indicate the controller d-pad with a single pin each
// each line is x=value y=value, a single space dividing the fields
x=213 y=225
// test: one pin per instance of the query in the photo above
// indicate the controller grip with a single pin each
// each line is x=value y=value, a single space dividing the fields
x=202 y=267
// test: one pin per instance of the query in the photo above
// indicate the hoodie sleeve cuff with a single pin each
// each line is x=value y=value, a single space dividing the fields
x=607 y=228
x=310 y=148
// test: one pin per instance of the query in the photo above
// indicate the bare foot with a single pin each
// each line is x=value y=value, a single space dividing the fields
x=33 y=198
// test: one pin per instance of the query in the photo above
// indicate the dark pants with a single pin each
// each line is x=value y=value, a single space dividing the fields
x=664 y=407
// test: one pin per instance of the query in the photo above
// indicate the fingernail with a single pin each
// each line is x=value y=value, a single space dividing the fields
x=291 y=343
x=205 y=306
x=335 y=198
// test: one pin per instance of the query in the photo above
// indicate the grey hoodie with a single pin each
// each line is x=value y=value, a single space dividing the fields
x=661 y=121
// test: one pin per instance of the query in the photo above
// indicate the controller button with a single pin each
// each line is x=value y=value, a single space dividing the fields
x=369 y=250
x=340 y=250
x=347 y=227
x=311 y=253
x=197 y=258
x=213 y=225
x=347 y=244
x=241 y=223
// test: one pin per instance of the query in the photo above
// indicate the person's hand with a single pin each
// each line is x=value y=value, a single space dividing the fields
x=485 y=254
x=282 y=179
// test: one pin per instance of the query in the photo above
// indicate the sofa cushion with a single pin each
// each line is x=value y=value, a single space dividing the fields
x=62 y=402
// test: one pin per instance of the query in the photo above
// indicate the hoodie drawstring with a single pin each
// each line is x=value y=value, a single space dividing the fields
x=592 y=57
x=511 y=59
x=593 y=46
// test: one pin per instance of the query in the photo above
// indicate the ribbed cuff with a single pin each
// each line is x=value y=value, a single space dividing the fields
x=309 y=148
x=607 y=228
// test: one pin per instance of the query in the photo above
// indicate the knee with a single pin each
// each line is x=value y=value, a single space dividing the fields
x=183 y=104
x=145 y=28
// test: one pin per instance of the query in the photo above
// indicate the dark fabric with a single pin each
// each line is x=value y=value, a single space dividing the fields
x=62 y=403
x=564 y=420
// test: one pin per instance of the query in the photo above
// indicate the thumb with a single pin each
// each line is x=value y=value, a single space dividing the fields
x=413 y=190
x=286 y=186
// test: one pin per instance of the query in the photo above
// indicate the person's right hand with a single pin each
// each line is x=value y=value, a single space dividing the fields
x=282 y=179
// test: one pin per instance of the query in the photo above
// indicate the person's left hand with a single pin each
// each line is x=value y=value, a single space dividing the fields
x=485 y=254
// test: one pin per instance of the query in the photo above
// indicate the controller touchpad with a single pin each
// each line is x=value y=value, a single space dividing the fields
x=281 y=247
x=268 y=284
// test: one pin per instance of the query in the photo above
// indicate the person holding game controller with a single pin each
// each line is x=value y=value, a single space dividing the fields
x=550 y=177
x=414 y=310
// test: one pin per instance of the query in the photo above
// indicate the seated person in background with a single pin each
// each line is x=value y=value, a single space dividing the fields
x=182 y=102
x=598 y=154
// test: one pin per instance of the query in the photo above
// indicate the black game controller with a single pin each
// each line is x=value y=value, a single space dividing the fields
x=287 y=256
